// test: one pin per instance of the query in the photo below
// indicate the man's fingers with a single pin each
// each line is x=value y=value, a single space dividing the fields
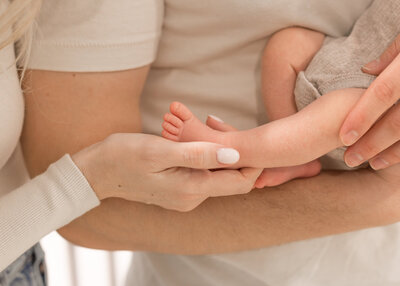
x=383 y=134
x=383 y=93
x=387 y=158
x=377 y=66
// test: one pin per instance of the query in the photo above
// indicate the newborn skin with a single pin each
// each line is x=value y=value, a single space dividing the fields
x=290 y=141
x=287 y=53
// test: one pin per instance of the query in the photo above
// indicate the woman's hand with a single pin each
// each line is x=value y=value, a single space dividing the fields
x=152 y=170
x=373 y=126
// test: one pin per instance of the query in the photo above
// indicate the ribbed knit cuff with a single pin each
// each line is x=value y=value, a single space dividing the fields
x=74 y=185
x=46 y=203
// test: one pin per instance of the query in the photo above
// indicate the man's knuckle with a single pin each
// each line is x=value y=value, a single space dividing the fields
x=384 y=92
x=361 y=116
x=394 y=124
x=370 y=148
x=394 y=155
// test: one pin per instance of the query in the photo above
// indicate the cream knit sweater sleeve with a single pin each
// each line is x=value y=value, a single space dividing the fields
x=44 y=204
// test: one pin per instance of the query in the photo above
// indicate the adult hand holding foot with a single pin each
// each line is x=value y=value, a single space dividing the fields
x=373 y=126
x=150 y=169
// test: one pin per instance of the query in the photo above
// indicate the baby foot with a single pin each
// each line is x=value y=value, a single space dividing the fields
x=277 y=176
x=181 y=125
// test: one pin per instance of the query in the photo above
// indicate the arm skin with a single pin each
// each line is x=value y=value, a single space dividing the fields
x=67 y=111
x=297 y=139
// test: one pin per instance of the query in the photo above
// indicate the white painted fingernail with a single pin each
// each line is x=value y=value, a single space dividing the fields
x=227 y=156
x=216 y=118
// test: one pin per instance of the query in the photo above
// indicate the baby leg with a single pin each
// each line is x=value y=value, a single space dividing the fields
x=290 y=141
x=181 y=125
x=287 y=53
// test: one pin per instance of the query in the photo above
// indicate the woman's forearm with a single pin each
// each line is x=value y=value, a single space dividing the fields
x=331 y=203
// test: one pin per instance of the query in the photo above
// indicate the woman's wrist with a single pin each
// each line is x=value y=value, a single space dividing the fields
x=87 y=160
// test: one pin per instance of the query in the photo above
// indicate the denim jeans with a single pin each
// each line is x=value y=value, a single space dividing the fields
x=28 y=270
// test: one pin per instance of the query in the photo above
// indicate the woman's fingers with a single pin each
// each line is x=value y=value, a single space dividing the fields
x=377 y=66
x=203 y=155
x=198 y=155
x=203 y=184
x=383 y=93
x=216 y=123
x=383 y=134
x=227 y=182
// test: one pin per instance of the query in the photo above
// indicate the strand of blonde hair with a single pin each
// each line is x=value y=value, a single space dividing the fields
x=16 y=24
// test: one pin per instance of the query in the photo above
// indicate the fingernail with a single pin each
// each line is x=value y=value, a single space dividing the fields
x=378 y=163
x=216 y=118
x=350 y=138
x=371 y=66
x=227 y=156
x=354 y=159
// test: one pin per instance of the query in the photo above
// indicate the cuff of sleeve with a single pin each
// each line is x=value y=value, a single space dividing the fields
x=46 y=203
x=75 y=189
x=92 y=57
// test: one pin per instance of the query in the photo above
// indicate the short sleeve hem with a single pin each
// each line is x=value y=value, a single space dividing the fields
x=92 y=57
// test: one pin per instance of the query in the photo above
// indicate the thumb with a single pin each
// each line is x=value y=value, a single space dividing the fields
x=202 y=155
x=377 y=66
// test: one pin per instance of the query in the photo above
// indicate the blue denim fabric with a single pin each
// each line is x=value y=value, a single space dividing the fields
x=28 y=270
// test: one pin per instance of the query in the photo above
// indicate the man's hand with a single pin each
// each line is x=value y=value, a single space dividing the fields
x=373 y=126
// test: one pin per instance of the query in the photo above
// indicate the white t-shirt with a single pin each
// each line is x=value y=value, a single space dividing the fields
x=209 y=58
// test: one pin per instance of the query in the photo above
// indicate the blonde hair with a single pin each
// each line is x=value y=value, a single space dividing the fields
x=16 y=24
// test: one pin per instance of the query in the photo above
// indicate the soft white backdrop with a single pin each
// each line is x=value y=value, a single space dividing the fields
x=69 y=265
